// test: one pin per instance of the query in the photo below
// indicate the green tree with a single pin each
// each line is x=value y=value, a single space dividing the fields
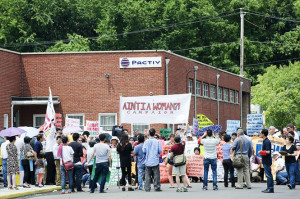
x=278 y=93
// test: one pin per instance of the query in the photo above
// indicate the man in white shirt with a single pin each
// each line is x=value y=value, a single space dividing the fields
x=51 y=169
x=210 y=157
x=57 y=159
x=281 y=174
x=4 y=156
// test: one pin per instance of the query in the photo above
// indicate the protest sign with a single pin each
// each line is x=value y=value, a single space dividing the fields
x=163 y=173
x=220 y=172
x=203 y=121
x=232 y=126
x=165 y=132
x=58 y=120
x=165 y=150
x=114 y=171
x=254 y=123
x=194 y=166
x=219 y=150
x=161 y=109
x=189 y=147
x=276 y=144
x=70 y=122
x=195 y=126
x=92 y=127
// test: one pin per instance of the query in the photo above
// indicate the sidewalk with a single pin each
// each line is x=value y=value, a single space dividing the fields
x=5 y=193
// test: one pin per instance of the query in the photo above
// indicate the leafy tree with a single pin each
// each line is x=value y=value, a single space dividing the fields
x=76 y=44
x=278 y=93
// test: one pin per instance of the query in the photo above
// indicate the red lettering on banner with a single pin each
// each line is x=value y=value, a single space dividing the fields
x=148 y=107
x=143 y=107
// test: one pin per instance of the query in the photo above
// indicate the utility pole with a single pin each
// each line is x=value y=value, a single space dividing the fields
x=242 y=15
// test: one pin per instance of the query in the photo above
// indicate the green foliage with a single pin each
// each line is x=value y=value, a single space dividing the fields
x=76 y=43
x=278 y=92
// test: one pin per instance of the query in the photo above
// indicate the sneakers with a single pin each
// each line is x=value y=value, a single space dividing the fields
x=130 y=189
x=178 y=190
x=185 y=189
x=290 y=186
x=215 y=188
x=204 y=188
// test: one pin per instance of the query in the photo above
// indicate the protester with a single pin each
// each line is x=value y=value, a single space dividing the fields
x=27 y=154
x=281 y=174
x=4 y=157
x=136 y=134
x=40 y=170
x=86 y=136
x=210 y=157
x=267 y=160
x=290 y=160
x=103 y=162
x=169 y=162
x=66 y=155
x=12 y=163
x=38 y=147
x=138 y=151
x=78 y=168
x=227 y=163
x=114 y=142
x=90 y=163
x=176 y=150
x=152 y=149
x=255 y=167
x=57 y=159
x=284 y=134
x=233 y=136
x=246 y=152
x=291 y=128
x=125 y=150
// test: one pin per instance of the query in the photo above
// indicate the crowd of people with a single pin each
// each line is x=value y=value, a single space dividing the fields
x=81 y=160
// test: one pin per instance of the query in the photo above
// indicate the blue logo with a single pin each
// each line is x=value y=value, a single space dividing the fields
x=125 y=62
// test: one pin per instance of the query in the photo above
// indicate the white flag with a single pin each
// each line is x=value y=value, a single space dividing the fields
x=50 y=114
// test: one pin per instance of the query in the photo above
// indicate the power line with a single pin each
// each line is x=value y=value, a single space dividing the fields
x=219 y=44
x=274 y=43
x=254 y=24
x=125 y=33
x=273 y=17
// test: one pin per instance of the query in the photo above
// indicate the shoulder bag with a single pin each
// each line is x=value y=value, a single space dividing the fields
x=68 y=165
x=238 y=161
x=179 y=160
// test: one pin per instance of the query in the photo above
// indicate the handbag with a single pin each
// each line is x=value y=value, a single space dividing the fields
x=179 y=160
x=238 y=161
x=30 y=155
x=68 y=165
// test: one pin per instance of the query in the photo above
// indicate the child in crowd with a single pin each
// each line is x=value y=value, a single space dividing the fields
x=40 y=163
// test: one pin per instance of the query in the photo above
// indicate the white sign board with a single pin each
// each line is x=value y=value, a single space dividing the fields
x=189 y=147
x=161 y=109
x=254 y=123
x=140 y=62
x=232 y=126
x=70 y=122
x=92 y=127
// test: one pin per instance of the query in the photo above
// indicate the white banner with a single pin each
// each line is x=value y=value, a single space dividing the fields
x=70 y=122
x=140 y=62
x=162 y=109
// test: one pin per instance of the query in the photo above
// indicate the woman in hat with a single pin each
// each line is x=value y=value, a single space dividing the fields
x=281 y=174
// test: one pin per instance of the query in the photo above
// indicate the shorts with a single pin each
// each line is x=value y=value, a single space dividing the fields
x=40 y=171
x=181 y=170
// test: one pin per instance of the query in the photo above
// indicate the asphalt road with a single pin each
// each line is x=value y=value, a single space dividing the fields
x=281 y=192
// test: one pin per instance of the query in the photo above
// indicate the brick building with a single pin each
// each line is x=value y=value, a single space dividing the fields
x=87 y=85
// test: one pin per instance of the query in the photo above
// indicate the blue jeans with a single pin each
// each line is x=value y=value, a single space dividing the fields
x=63 y=178
x=268 y=172
x=77 y=173
x=282 y=176
x=4 y=164
x=141 y=169
x=100 y=168
x=291 y=170
x=213 y=163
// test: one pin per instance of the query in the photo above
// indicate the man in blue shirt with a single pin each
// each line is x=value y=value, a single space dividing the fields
x=140 y=157
x=152 y=149
x=267 y=160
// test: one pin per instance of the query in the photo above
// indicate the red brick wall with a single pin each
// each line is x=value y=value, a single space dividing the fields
x=10 y=82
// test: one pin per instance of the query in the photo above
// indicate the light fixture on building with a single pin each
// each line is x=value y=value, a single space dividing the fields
x=107 y=75
x=150 y=93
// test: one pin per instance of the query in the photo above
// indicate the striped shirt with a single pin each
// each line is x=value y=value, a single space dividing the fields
x=210 y=144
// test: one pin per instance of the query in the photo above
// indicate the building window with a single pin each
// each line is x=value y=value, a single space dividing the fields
x=226 y=94
x=205 y=89
x=190 y=86
x=79 y=116
x=5 y=121
x=231 y=96
x=139 y=127
x=213 y=91
x=198 y=88
x=38 y=120
x=220 y=93
x=107 y=121
x=236 y=97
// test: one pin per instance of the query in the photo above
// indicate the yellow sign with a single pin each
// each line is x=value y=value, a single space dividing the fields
x=203 y=121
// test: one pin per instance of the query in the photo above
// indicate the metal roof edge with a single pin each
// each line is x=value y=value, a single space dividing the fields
x=10 y=51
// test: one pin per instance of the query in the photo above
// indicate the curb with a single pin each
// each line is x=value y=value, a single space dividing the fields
x=29 y=192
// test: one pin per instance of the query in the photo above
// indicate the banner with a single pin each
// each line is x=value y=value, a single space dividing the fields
x=232 y=126
x=161 y=109
x=50 y=114
x=70 y=122
x=277 y=144
x=203 y=121
x=114 y=171
x=163 y=173
x=220 y=172
x=194 y=166
x=254 y=123
x=92 y=127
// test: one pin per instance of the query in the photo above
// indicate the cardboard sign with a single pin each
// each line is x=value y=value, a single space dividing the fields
x=203 y=121
x=194 y=166
x=165 y=132
x=232 y=126
x=189 y=147
x=254 y=123
x=92 y=127
x=72 y=122
x=58 y=120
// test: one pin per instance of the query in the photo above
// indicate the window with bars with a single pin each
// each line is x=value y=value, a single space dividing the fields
x=190 y=86
x=38 y=120
x=213 y=92
x=198 y=88
x=79 y=116
x=231 y=96
x=220 y=93
x=236 y=97
x=205 y=89
x=107 y=121
x=226 y=94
